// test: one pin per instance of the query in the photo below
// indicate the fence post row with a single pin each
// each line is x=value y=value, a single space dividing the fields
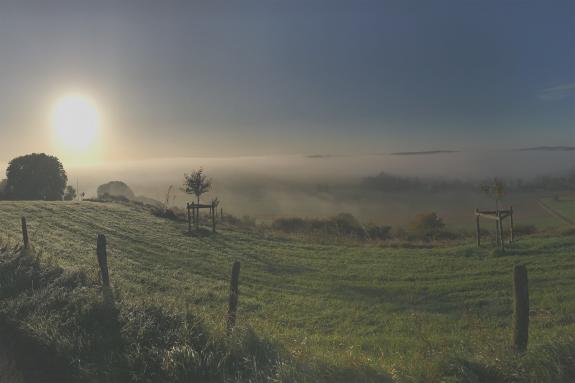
x=520 y=308
x=103 y=259
x=234 y=295
x=25 y=238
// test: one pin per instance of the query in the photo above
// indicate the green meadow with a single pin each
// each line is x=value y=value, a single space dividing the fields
x=348 y=311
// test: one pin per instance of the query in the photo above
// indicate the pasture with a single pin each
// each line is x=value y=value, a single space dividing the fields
x=348 y=312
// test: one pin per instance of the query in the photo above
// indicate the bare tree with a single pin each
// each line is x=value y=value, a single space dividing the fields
x=197 y=183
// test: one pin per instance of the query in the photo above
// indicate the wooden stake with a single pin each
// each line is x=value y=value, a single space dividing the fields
x=511 y=224
x=477 y=230
x=222 y=213
x=189 y=219
x=234 y=295
x=520 y=309
x=25 y=238
x=213 y=210
x=501 y=241
x=497 y=232
x=103 y=259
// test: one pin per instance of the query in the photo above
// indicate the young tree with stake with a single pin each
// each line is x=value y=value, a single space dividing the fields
x=197 y=183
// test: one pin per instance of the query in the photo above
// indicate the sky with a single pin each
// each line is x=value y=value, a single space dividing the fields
x=243 y=78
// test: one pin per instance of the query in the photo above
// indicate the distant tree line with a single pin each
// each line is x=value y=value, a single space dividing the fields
x=386 y=182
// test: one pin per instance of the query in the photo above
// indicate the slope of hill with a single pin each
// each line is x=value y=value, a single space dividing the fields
x=339 y=312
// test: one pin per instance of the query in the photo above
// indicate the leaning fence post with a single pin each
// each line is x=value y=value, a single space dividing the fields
x=520 y=308
x=25 y=238
x=234 y=295
x=103 y=259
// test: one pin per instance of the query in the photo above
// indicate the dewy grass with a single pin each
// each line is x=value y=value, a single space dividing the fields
x=308 y=312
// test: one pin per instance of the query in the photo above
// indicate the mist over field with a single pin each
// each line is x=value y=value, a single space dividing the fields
x=322 y=185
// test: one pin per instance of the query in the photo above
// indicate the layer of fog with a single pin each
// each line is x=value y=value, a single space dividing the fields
x=269 y=187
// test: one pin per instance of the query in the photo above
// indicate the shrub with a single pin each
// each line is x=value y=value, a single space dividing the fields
x=115 y=189
x=290 y=225
x=347 y=225
x=523 y=229
x=427 y=225
x=343 y=224
x=378 y=232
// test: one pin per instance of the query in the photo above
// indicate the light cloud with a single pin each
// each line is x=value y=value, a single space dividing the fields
x=557 y=92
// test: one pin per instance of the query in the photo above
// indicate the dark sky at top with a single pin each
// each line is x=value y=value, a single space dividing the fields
x=253 y=77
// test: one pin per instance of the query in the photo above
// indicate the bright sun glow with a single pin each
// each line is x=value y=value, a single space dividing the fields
x=76 y=121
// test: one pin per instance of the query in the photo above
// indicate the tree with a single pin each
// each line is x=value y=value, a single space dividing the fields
x=494 y=189
x=69 y=193
x=197 y=183
x=35 y=177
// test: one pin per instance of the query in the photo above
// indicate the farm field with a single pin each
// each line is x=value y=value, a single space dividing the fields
x=393 y=208
x=564 y=207
x=365 y=312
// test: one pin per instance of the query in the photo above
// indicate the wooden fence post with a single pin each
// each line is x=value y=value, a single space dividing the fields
x=213 y=209
x=477 y=230
x=497 y=231
x=520 y=309
x=222 y=213
x=103 y=259
x=234 y=295
x=25 y=238
x=510 y=224
x=501 y=240
x=189 y=218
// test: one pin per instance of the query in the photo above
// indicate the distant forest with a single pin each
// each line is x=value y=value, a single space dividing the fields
x=386 y=182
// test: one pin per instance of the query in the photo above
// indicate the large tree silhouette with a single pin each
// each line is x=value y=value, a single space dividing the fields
x=35 y=177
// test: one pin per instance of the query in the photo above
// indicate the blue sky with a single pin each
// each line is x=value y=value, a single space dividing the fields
x=178 y=78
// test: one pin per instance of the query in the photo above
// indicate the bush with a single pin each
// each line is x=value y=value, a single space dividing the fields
x=427 y=225
x=290 y=225
x=343 y=224
x=172 y=214
x=378 y=232
x=522 y=229
x=115 y=189
x=347 y=225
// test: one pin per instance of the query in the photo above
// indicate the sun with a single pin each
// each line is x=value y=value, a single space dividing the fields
x=76 y=121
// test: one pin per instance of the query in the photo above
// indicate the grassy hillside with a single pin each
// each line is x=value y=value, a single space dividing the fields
x=353 y=312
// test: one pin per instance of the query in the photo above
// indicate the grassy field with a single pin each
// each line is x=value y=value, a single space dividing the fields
x=347 y=312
